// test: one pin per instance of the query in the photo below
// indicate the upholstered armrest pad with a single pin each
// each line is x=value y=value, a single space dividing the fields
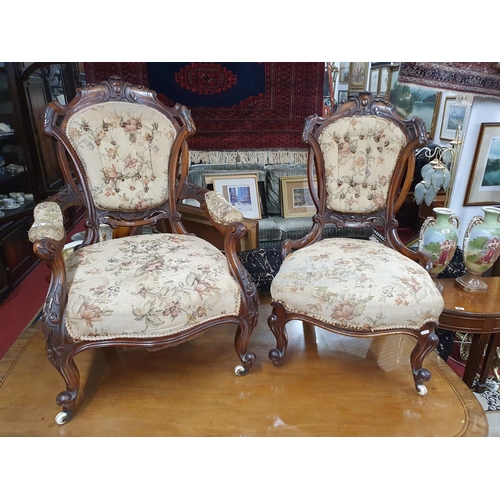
x=48 y=222
x=221 y=210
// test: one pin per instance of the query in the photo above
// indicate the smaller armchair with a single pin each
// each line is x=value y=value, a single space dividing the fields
x=124 y=158
x=362 y=159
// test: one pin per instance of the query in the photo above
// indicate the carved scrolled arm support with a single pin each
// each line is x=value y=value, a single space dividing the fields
x=416 y=255
x=234 y=233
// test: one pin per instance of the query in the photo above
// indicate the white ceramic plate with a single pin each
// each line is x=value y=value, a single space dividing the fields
x=16 y=205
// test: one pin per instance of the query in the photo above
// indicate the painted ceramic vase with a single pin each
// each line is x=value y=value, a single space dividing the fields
x=438 y=238
x=481 y=248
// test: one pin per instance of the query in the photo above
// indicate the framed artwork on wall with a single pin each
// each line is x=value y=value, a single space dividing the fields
x=453 y=117
x=242 y=191
x=374 y=80
x=383 y=80
x=483 y=187
x=344 y=72
x=411 y=100
x=379 y=73
x=358 y=76
x=296 y=199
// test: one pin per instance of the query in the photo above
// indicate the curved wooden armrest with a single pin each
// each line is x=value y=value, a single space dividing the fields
x=418 y=256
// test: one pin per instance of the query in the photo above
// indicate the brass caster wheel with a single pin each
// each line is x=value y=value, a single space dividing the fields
x=240 y=370
x=421 y=389
x=62 y=417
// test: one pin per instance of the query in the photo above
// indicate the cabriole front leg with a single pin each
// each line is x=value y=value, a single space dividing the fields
x=63 y=361
x=277 y=321
x=241 y=344
x=427 y=342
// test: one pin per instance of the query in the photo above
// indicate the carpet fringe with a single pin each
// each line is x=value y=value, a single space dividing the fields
x=264 y=157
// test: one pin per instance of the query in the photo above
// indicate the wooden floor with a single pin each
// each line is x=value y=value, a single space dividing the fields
x=328 y=386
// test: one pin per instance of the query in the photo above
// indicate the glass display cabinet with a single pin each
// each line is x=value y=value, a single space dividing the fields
x=29 y=170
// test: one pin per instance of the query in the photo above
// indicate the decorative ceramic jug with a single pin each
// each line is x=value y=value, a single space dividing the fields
x=481 y=248
x=438 y=238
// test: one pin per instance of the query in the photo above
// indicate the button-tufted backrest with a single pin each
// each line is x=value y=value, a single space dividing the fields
x=360 y=155
x=125 y=150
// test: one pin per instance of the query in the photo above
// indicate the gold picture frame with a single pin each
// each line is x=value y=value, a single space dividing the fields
x=240 y=190
x=454 y=116
x=358 y=76
x=296 y=199
x=483 y=187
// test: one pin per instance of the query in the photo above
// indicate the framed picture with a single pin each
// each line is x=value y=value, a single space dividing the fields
x=453 y=117
x=344 y=72
x=374 y=80
x=411 y=101
x=484 y=182
x=342 y=96
x=383 y=81
x=296 y=199
x=358 y=76
x=208 y=182
x=379 y=72
x=241 y=190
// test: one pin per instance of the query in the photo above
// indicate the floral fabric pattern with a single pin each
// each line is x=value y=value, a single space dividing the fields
x=221 y=210
x=360 y=155
x=124 y=149
x=147 y=286
x=357 y=284
x=48 y=222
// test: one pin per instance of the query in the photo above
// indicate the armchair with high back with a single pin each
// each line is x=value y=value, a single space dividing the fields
x=124 y=158
x=362 y=158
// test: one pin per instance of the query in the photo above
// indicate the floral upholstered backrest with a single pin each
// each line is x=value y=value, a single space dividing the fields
x=360 y=155
x=124 y=149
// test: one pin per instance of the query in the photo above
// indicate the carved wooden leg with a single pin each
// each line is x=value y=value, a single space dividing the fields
x=277 y=322
x=426 y=343
x=241 y=340
x=64 y=363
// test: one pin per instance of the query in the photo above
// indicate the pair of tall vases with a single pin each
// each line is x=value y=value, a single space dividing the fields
x=481 y=245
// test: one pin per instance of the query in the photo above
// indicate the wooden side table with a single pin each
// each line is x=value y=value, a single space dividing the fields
x=478 y=314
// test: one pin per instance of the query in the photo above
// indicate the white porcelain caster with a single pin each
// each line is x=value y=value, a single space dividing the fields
x=421 y=389
x=61 y=418
x=239 y=370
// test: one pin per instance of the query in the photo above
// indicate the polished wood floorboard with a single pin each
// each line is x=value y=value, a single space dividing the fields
x=329 y=385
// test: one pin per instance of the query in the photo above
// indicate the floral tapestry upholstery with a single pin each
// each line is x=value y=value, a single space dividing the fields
x=360 y=155
x=48 y=222
x=147 y=286
x=345 y=282
x=125 y=150
x=221 y=210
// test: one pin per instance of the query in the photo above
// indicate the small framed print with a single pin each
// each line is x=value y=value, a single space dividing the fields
x=242 y=191
x=296 y=199
x=383 y=81
x=483 y=187
x=344 y=72
x=358 y=76
x=374 y=80
x=453 y=117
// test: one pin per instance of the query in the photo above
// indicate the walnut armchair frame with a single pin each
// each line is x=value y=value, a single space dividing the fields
x=363 y=158
x=124 y=157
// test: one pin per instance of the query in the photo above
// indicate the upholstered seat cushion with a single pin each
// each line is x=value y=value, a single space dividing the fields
x=147 y=286
x=360 y=284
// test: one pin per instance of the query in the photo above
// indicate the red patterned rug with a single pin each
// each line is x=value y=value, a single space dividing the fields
x=475 y=77
x=234 y=105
